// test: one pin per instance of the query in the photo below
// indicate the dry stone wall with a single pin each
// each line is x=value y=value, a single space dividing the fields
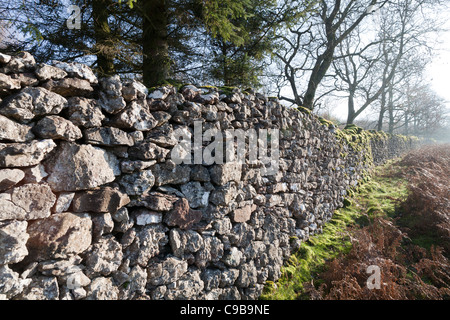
x=94 y=206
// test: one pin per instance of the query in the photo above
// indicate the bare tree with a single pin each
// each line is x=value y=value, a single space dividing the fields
x=310 y=47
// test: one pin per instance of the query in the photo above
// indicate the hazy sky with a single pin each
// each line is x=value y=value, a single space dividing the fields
x=439 y=70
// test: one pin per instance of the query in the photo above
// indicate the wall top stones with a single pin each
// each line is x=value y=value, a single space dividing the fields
x=93 y=205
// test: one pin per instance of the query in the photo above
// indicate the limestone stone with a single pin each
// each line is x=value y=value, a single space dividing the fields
x=63 y=202
x=69 y=87
x=32 y=102
x=102 y=288
x=59 y=236
x=75 y=69
x=137 y=183
x=4 y=58
x=56 y=127
x=135 y=117
x=108 y=136
x=145 y=217
x=46 y=72
x=27 y=202
x=21 y=62
x=9 y=178
x=13 y=239
x=111 y=95
x=160 y=93
x=169 y=173
x=223 y=173
x=25 y=154
x=103 y=199
x=133 y=90
x=146 y=150
x=11 y=285
x=35 y=174
x=7 y=83
x=78 y=167
x=84 y=112
x=104 y=257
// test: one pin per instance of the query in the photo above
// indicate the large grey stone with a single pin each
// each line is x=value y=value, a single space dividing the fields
x=27 y=202
x=32 y=102
x=145 y=150
x=133 y=90
x=135 y=117
x=108 y=136
x=104 y=257
x=46 y=72
x=41 y=288
x=137 y=183
x=75 y=69
x=129 y=166
x=170 y=173
x=223 y=173
x=78 y=167
x=102 y=288
x=167 y=271
x=13 y=239
x=56 y=127
x=69 y=87
x=25 y=154
x=111 y=95
x=197 y=196
x=7 y=83
x=21 y=62
x=11 y=284
x=146 y=244
x=85 y=112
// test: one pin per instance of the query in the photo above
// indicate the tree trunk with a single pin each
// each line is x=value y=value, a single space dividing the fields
x=318 y=72
x=382 y=110
x=156 y=61
x=103 y=37
x=391 y=108
x=406 y=123
x=351 y=107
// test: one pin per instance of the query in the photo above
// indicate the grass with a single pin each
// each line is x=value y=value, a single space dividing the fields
x=367 y=201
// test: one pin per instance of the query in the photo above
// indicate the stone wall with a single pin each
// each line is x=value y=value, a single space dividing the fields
x=93 y=205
